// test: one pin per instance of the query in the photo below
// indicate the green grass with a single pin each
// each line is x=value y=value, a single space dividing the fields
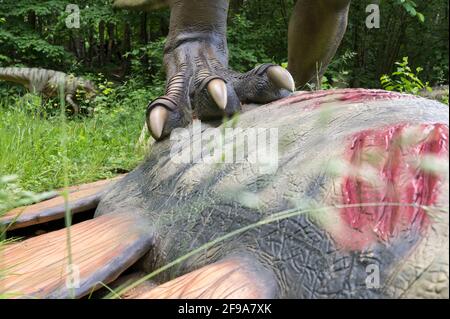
x=97 y=147
x=41 y=149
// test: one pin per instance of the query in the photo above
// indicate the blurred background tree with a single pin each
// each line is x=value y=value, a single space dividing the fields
x=122 y=43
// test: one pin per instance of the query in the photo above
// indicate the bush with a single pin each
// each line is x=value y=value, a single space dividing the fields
x=41 y=147
x=339 y=73
x=404 y=79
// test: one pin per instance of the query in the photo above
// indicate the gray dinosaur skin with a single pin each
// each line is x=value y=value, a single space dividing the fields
x=48 y=82
x=188 y=205
x=195 y=54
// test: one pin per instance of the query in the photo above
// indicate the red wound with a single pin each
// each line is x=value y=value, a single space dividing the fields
x=360 y=95
x=388 y=166
x=316 y=99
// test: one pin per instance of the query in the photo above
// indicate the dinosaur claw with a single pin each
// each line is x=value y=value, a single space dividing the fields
x=218 y=91
x=156 y=121
x=281 y=78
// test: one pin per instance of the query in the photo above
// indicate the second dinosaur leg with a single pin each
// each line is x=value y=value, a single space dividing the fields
x=315 y=32
x=76 y=108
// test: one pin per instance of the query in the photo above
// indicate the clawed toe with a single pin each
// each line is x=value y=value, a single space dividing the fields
x=156 y=121
x=281 y=78
x=210 y=96
x=214 y=98
x=158 y=113
x=217 y=89
x=264 y=84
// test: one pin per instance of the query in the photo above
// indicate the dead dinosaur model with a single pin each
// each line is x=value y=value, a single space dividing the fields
x=348 y=212
x=48 y=82
x=347 y=198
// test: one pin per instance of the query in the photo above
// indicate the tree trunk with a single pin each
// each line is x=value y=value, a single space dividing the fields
x=32 y=19
x=111 y=38
x=101 y=45
x=144 y=38
x=236 y=5
x=394 y=43
x=126 y=48
x=91 y=51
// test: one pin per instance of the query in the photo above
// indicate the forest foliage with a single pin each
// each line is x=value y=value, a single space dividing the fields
x=125 y=44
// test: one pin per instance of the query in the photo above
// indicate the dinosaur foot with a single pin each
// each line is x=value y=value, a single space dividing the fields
x=207 y=90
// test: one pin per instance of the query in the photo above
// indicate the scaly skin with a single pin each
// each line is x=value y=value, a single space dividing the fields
x=48 y=83
x=336 y=149
x=199 y=82
x=315 y=33
x=196 y=54
x=384 y=210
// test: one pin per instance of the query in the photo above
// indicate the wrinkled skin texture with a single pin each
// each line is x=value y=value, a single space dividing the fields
x=326 y=253
x=49 y=82
x=196 y=53
x=323 y=254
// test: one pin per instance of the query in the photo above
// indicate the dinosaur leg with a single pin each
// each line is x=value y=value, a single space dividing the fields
x=237 y=277
x=315 y=32
x=199 y=82
x=75 y=107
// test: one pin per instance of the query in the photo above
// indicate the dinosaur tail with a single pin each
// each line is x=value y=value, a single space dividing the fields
x=16 y=75
x=100 y=249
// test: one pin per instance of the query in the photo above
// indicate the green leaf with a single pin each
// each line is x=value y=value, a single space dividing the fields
x=421 y=17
